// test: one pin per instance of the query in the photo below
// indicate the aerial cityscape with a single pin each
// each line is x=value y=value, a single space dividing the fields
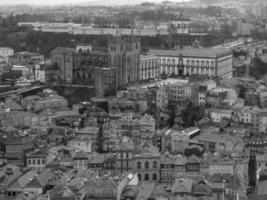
x=133 y=100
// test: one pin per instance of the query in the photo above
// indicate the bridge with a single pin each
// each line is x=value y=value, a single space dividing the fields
x=21 y=91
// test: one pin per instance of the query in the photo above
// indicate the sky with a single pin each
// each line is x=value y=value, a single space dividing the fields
x=58 y=2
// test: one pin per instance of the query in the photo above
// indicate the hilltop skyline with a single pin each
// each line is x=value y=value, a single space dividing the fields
x=88 y=2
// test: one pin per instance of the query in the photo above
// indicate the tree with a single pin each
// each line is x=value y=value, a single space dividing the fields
x=191 y=114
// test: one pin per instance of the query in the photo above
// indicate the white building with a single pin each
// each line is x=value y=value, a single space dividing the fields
x=5 y=52
x=195 y=61
x=149 y=67
x=217 y=115
x=80 y=144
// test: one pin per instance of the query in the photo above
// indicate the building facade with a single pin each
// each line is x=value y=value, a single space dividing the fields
x=124 y=55
x=195 y=61
x=149 y=67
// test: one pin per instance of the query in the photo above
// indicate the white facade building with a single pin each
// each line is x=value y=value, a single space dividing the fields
x=196 y=61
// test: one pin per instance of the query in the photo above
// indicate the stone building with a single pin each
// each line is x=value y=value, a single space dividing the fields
x=146 y=162
x=124 y=55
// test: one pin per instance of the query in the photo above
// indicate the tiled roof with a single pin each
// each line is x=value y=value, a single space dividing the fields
x=22 y=181
x=39 y=153
x=182 y=186
x=146 y=148
x=201 y=189
x=35 y=183
x=193 y=159
x=100 y=182
x=62 y=193
x=145 y=191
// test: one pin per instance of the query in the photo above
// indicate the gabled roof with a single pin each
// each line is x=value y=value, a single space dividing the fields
x=202 y=189
x=22 y=181
x=35 y=183
x=62 y=193
x=182 y=186
x=146 y=148
x=145 y=191
x=193 y=159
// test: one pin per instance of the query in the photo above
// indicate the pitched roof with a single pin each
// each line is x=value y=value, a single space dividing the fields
x=182 y=186
x=145 y=191
x=62 y=193
x=34 y=183
x=193 y=159
x=201 y=189
x=147 y=148
x=100 y=182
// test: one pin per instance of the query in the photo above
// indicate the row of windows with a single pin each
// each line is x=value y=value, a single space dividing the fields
x=147 y=177
x=106 y=193
x=148 y=65
x=188 y=62
x=147 y=165
x=36 y=161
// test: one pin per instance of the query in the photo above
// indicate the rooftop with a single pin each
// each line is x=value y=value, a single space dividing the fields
x=192 y=52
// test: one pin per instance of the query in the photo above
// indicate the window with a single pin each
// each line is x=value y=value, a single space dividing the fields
x=29 y=161
x=146 y=177
x=138 y=165
x=139 y=177
x=202 y=63
x=207 y=63
x=164 y=61
x=173 y=61
x=212 y=63
x=155 y=165
x=154 y=177
x=110 y=193
x=187 y=63
x=105 y=193
x=33 y=162
x=192 y=63
x=147 y=165
x=38 y=161
x=169 y=62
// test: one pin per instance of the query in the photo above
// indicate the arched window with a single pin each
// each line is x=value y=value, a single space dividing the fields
x=168 y=61
x=146 y=177
x=197 y=63
x=138 y=165
x=164 y=61
x=202 y=63
x=187 y=63
x=212 y=63
x=192 y=63
x=147 y=165
x=155 y=177
x=155 y=164
x=173 y=61
x=139 y=177
x=207 y=63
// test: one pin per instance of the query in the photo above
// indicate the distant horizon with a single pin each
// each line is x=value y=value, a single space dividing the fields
x=68 y=2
